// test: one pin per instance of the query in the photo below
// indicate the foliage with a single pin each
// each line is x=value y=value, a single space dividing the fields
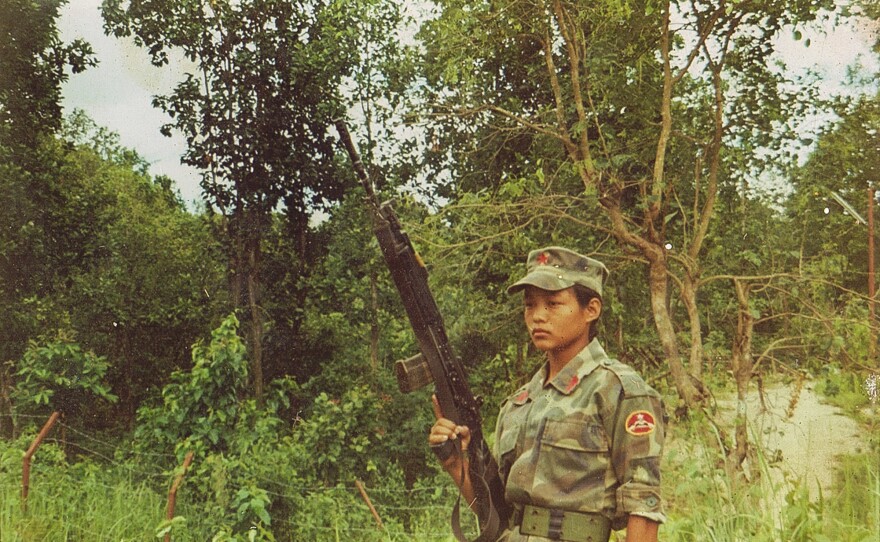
x=202 y=411
x=261 y=140
x=340 y=432
x=858 y=478
x=34 y=63
x=33 y=66
x=846 y=162
x=61 y=376
x=637 y=138
x=831 y=243
x=91 y=243
x=201 y=407
x=90 y=499
x=83 y=499
x=851 y=391
x=153 y=280
x=256 y=113
x=705 y=503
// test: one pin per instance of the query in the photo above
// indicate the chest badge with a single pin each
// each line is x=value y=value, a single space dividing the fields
x=640 y=423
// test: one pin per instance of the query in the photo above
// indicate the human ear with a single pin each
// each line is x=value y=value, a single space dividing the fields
x=593 y=309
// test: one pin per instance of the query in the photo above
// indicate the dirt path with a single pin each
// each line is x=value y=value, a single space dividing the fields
x=801 y=443
x=801 y=436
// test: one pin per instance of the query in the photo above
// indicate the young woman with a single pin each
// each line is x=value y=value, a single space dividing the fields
x=579 y=446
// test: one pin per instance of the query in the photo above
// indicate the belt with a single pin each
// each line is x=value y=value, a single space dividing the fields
x=557 y=524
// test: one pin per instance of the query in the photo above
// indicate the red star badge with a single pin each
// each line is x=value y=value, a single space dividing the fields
x=543 y=258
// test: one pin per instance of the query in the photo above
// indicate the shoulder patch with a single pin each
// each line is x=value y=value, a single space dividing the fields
x=640 y=423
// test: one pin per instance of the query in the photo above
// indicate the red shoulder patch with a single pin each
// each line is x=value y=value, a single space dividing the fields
x=572 y=383
x=521 y=398
x=640 y=423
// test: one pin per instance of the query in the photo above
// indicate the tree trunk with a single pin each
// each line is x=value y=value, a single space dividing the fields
x=7 y=425
x=374 y=321
x=256 y=312
x=236 y=262
x=689 y=298
x=244 y=230
x=658 y=282
x=741 y=365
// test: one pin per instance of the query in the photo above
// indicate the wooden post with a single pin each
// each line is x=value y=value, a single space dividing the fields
x=172 y=493
x=369 y=503
x=26 y=461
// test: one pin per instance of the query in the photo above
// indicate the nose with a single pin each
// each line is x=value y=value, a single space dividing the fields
x=538 y=314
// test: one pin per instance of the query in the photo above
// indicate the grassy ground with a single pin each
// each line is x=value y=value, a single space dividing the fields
x=94 y=502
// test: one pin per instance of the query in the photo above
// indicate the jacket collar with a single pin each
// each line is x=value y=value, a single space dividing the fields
x=584 y=363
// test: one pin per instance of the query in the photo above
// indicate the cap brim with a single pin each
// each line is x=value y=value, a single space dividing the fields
x=543 y=280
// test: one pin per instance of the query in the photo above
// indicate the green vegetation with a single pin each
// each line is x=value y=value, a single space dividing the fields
x=125 y=500
x=259 y=330
x=707 y=504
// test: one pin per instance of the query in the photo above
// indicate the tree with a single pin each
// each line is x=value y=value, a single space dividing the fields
x=255 y=115
x=846 y=162
x=33 y=66
x=628 y=108
x=34 y=63
x=153 y=282
x=833 y=245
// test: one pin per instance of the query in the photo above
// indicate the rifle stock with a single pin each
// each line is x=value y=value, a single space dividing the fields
x=436 y=361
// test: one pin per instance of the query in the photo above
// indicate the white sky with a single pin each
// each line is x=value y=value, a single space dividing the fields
x=117 y=93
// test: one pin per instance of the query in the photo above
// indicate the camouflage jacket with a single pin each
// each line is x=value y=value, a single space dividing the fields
x=590 y=441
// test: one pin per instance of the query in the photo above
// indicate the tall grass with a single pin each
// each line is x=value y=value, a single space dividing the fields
x=706 y=503
x=64 y=507
x=90 y=502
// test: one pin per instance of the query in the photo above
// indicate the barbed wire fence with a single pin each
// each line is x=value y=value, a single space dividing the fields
x=360 y=511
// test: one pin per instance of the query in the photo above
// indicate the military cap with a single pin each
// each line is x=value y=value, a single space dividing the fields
x=557 y=268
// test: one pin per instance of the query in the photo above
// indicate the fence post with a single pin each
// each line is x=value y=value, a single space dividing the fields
x=366 y=498
x=26 y=461
x=172 y=493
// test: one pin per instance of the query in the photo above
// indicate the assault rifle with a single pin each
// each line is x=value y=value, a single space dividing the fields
x=435 y=363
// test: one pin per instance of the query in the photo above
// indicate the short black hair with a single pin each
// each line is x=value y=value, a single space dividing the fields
x=584 y=295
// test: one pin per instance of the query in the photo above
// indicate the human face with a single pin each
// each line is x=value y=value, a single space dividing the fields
x=557 y=323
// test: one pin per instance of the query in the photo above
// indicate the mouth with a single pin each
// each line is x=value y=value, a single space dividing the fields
x=540 y=333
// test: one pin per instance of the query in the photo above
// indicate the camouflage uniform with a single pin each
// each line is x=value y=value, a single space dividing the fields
x=591 y=439
x=567 y=444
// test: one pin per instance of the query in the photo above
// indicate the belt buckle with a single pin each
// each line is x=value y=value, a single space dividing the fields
x=558 y=524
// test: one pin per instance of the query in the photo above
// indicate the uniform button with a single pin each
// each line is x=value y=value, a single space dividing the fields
x=651 y=501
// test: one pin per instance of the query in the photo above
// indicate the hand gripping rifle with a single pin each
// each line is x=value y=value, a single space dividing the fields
x=435 y=362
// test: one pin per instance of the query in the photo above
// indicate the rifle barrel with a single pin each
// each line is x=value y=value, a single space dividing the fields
x=352 y=151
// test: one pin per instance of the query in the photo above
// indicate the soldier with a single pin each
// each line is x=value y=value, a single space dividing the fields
x=579 y=446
